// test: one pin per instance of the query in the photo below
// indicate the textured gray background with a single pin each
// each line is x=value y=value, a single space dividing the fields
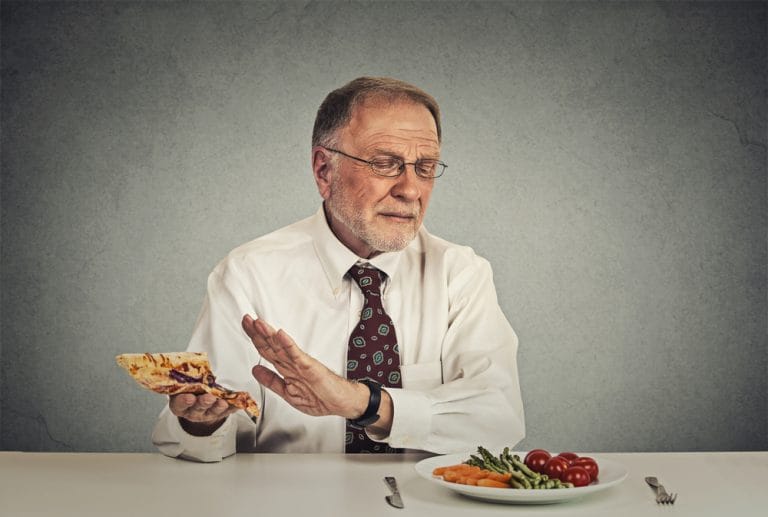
x=608 y=159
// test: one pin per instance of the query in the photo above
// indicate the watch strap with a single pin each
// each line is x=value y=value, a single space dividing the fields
x=374 y=401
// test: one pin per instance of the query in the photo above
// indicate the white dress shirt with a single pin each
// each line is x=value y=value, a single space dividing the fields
x=457 y=350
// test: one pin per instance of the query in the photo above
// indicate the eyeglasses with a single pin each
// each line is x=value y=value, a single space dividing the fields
x=392 y=166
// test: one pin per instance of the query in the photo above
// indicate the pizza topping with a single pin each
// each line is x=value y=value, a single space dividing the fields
x=208 y=378
x=178 y=376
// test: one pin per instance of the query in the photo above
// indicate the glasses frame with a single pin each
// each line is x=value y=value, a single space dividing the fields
x=400 y=169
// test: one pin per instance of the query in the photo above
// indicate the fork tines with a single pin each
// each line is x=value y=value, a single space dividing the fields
x=666 y=499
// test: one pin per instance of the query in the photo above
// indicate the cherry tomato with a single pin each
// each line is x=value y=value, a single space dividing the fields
x=577 y=476
x=588 y=464
x=536 y=459
x=570 y=456
x=556 y=467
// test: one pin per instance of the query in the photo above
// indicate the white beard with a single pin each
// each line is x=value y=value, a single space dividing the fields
x=341 y=207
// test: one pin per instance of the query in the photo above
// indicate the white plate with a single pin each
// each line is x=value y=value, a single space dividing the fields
x=611 y=473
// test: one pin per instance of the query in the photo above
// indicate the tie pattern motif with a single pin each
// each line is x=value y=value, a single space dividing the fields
x=372 y=351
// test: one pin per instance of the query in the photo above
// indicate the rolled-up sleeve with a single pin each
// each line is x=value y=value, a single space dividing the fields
x=172 y=440
x=479 y=400
x=217 y=333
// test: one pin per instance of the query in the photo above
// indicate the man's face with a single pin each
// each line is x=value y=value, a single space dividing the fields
x=369 y=213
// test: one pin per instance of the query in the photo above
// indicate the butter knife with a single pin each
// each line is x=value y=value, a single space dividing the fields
x=394 y=499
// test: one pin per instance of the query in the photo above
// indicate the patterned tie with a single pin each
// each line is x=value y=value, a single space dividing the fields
x=372 y=351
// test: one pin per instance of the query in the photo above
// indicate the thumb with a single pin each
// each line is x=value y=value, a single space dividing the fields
x=269 y=379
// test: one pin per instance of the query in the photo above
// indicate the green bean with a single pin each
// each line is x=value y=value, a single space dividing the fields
x=517 y=475
x=523 y=467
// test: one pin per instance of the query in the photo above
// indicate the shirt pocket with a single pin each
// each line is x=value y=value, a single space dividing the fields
x=422 y=376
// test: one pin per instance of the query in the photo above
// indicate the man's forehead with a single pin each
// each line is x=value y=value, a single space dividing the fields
x=377 y=116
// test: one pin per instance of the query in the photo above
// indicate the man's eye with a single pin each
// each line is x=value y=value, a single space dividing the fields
x=426 y=166
x=385 y=163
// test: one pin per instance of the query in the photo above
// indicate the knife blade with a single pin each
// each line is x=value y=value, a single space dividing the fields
x=394 y=499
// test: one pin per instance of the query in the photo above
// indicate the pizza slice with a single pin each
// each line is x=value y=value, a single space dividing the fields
x=183 y=372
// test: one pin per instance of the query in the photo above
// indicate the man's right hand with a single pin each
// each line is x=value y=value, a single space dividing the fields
x=200 y=415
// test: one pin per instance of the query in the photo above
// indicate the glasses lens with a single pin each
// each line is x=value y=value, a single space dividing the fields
x=391 y=166
x=428 y=168
x=386 y=165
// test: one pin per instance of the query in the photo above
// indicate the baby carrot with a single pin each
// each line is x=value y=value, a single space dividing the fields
x=460 y=467
x=451 y=476
x=492 y=483
x=497 y=476
x=479 y=474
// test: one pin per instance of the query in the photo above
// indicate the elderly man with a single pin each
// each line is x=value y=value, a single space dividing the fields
x=389 y=337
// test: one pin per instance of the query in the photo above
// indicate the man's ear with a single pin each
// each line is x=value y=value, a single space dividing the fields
x=322 y=170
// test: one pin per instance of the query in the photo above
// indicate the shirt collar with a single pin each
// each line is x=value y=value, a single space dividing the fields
x=336 y=258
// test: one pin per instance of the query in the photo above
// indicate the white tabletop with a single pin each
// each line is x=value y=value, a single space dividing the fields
x=84 y=484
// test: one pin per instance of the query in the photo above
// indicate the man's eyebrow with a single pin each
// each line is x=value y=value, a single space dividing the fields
x=378 y=151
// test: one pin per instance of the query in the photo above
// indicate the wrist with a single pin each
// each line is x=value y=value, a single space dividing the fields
x=359 y=400
x=200 y=428
x=370 y=413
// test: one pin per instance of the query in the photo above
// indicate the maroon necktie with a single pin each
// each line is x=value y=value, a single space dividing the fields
x=372 y=351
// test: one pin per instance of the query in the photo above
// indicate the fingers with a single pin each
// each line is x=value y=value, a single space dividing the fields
x=277 y=347
x=293 y=391
x=257 y=329
x=297 y=378
x=286 y=347
x=180 y=403
x=200 y=408
x=260 y=334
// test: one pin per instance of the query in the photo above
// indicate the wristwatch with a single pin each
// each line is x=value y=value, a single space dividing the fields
x=371 y=412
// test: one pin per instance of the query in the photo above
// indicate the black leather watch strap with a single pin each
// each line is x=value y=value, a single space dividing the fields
x=371 y=412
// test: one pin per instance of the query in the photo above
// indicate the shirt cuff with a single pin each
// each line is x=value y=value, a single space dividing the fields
x=174 y=441
x=411 y=419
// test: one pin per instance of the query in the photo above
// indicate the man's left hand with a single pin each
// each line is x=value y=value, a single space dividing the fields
x=301 y=380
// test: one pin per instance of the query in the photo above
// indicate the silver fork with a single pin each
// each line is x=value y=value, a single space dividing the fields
x=662 y=497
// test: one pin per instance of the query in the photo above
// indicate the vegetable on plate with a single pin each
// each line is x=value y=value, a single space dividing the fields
x=539 y=470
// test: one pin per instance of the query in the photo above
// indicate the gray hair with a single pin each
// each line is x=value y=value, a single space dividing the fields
x=337 y=108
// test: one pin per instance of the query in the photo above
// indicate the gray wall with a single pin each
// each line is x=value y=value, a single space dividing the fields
x=608 y=159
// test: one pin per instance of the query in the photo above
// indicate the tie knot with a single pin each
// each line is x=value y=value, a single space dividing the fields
x=368 y=278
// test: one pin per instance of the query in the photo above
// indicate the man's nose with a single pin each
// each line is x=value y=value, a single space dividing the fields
x=408 y=183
